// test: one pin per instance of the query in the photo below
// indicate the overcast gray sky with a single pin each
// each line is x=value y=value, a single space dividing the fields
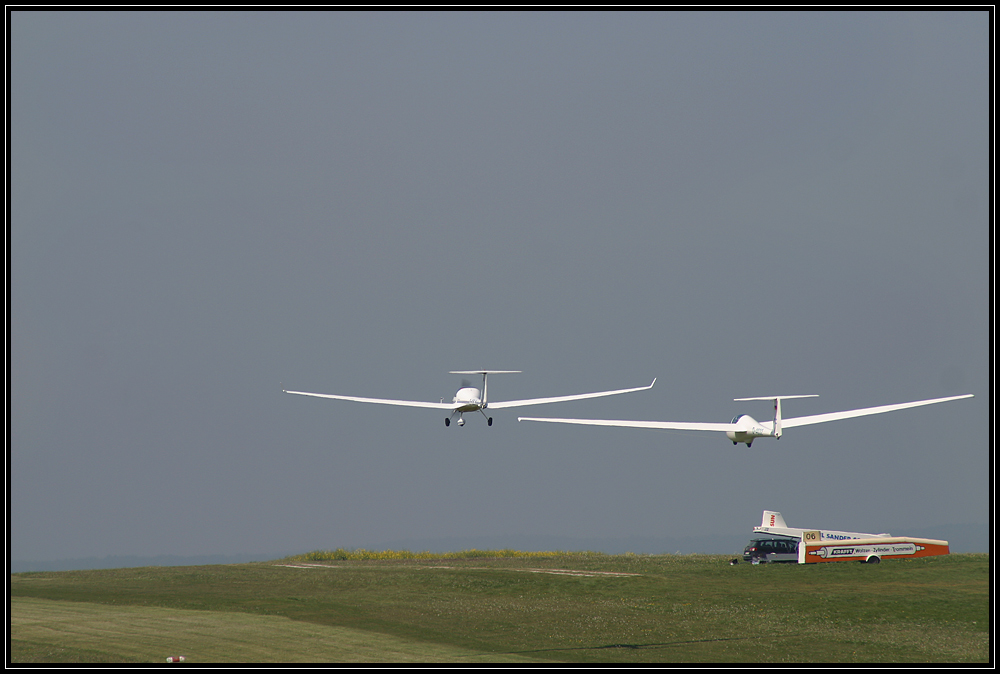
x=206 y=206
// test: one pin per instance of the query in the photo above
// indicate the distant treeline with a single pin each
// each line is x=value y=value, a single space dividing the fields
x=362 y=554
x=963 y=538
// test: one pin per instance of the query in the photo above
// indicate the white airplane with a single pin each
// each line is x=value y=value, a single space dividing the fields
x=468 y=398
x=746 y=429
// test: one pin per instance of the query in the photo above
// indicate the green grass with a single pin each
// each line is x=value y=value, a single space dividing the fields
x=483 y=608
x=50 y=631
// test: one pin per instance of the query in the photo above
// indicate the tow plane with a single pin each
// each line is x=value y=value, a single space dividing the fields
x=744 y=428
x=471 y=399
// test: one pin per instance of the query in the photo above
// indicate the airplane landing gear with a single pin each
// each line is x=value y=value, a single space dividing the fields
x=447 y=421
x=489 y=421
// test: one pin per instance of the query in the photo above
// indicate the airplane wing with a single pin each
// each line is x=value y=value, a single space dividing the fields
x=380 y=401
x=785 y=423
x=658 y=425
x=559 y=399
x=849 y=414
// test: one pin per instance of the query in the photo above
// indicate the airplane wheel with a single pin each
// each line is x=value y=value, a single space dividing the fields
x=735 y=443
x=489 y=421
x=447 y=421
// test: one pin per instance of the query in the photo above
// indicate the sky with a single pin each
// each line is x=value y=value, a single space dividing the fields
x=205 y=208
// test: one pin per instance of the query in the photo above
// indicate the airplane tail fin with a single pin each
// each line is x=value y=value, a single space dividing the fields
x=772 y=518
x=484 y=373
x=776 y=424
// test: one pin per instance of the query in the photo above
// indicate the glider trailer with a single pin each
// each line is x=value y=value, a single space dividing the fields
x=818 y=545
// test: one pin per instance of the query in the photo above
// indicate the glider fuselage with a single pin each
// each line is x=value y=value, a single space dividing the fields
x=750 y=429
x=468 y=400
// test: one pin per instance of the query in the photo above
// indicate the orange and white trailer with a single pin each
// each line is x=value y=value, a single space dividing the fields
x=825 y=545
x=870 y=550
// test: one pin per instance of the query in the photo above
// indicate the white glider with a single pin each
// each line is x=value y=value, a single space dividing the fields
x=744 y=428
x=470 y=399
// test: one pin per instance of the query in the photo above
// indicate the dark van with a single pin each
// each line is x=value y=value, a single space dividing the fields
x=764 y=550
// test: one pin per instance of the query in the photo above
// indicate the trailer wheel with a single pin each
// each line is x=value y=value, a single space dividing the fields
x=873 y=560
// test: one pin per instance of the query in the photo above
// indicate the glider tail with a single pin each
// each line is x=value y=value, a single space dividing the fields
x=776 y=424
x=484 y=373
x=773 y=518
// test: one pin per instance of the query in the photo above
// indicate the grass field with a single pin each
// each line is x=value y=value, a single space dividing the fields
x=566 y=607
